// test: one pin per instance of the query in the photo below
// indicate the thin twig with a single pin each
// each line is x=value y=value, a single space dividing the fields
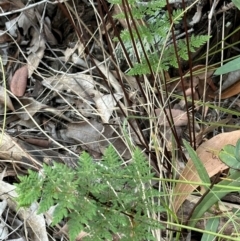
x=29 y=6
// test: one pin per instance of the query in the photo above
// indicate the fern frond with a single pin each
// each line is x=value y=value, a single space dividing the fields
x=75 y=226
x=29 y=188
x=197 y=41
x=99 y=198
x=153 y=35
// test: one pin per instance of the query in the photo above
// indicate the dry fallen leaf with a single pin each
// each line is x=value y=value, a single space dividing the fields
x=4 y=37
x=85 y=107
x=111 y=135
x=180 y=117
x=80 y=84
x=87 y=133
x=48 y=33
x=229 y=92
x=207 y=153
x=198 y=74
x=230 y=87
x=110 y=77
x=95 y=136
x=64 y=230
x=36 y=51
x=25 y=22
x=105 y=105
x=34 y=221
x=5 y=99
x=197 y=16
x=11 y=150
x=29 y=107
x=231 y=79
x=4 y=52
x=18 y=83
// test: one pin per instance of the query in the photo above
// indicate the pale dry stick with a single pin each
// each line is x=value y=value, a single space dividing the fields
x=158 y=147
x=18 y=162
x=41 y=21
x=30 y=6
x=215 y=3
x=150 y=94
x=222 y=58
x=5 y=98
x=105 y=54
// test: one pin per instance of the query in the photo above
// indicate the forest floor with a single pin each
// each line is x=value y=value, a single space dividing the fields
x=65 y=90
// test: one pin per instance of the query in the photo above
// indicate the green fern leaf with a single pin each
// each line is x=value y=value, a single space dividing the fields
x=74 y=226
x=60 y=212
x=29 y=188
x=96 y=195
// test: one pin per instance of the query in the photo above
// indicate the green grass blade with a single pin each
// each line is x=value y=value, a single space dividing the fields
x=215 y=194
x=236 y=3
x=202 y=172
x=212 y=225
x=228 y=67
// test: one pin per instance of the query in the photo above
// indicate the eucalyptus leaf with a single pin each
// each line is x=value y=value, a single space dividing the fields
x=230 y=66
